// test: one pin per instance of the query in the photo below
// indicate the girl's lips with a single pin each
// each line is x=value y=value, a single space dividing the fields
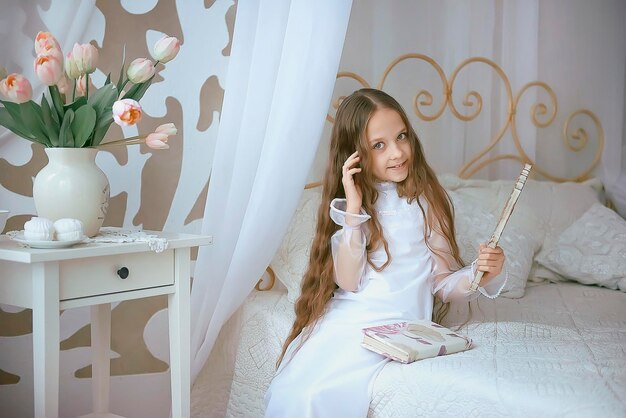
x=396 y=167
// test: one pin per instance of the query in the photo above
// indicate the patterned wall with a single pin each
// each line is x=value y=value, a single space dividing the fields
x=153 y=190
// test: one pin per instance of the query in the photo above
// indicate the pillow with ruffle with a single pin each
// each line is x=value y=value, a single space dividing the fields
x=292 y=258
x=474 y=225
x=592 y=250
x=543 y=211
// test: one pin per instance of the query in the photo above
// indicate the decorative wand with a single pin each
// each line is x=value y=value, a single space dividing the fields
x=504 y=217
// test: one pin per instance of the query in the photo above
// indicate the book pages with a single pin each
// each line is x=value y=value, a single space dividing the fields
x=410 y=341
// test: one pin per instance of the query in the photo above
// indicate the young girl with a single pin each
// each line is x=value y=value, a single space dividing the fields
x=384 y=245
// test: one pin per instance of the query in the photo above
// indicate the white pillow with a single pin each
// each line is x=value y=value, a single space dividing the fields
x=543 y=211
x=592 y=250
x=292 y=258
x=474 y=225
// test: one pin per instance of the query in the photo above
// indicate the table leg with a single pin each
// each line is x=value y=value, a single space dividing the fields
x=45 y=279
x=101 y=360
x=179 y=315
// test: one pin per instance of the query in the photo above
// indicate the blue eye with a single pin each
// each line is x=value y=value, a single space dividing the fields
x=378 y=145
x=402 y=136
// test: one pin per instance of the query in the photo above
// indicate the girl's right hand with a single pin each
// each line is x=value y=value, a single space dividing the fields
x=354 y=196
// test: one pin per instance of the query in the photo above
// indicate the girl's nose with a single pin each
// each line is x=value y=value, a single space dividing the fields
x=395 y=151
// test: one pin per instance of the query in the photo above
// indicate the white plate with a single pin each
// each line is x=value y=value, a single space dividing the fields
x=46 y=244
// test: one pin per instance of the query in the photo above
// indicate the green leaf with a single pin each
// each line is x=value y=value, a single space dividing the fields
x=138 y=90
x=101 y=129
x=8 y=122
x=32 y=117
x=57 y=102
x=50 y=123
x=76 y=104
x=102 y=102
x=66 y=138
x=83 y=124
x=120 y=80
x=16 y=114
x=108 y=80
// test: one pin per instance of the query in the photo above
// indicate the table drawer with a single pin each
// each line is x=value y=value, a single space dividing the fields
x=99 y=275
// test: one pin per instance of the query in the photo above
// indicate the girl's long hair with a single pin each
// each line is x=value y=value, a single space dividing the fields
x=347 y=135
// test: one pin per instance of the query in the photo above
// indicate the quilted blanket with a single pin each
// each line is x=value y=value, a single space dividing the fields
x=558 y=351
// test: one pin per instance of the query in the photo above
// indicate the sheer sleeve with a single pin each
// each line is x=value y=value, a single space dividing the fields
x=449 y=281
x=348 y=245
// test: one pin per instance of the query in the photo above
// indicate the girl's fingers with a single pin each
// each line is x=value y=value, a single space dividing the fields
x=348 y=167
x=488 y=269
x=484 y=248
x=491 y=257
x=488 y=263
x=353 y=171
x=351 y=160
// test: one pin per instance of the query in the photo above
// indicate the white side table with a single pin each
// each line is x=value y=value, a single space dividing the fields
x=47 y=281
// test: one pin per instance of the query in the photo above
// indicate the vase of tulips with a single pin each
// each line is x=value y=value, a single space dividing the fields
x=71 y=120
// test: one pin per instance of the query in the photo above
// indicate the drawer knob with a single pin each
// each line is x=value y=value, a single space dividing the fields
x=123 y=273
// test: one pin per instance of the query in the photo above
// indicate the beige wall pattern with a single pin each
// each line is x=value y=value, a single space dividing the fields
x=160 y=171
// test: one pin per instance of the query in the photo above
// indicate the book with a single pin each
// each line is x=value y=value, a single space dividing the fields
x=407 y=342
x=504 y=218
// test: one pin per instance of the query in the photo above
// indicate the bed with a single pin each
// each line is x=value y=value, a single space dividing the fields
x=553 y=344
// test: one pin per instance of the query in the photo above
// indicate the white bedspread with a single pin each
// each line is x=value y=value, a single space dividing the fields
x=558 y=351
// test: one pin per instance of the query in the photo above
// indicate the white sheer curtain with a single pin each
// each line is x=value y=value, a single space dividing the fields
x=281 y=74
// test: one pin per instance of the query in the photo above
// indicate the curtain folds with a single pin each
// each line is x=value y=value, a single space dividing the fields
x=281 y=74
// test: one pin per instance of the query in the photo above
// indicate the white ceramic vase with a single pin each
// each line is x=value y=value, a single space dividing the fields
x=72 y=186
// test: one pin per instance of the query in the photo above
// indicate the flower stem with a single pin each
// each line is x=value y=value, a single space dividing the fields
x=122 y=143
x=126 y=141
x=86 y=86
x=121 y=90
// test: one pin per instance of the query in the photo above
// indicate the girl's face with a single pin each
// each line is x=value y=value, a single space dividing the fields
x=388 y=142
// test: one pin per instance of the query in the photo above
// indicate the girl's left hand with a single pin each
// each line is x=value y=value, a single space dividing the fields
x=490 y=261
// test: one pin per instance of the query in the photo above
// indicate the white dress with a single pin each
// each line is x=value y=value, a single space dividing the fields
x=331 y=375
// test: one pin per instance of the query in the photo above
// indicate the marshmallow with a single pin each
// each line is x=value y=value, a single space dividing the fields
x=68 y=229
x=39 y=229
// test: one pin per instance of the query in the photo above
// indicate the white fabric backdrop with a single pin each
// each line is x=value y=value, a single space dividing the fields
x=577 y=47
x=281 y=74
x=448 y=31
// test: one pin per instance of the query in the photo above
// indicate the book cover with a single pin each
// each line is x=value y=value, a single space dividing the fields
x=407 y=342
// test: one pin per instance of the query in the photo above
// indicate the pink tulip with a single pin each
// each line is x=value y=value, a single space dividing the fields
x=126 y=112
x=16 y=88
x=81 y=87
x=63 y=84
x=140 y=70
x=81 y=60
x=157 y=141
x=48 y=69
x=165 y=49
x=167 y=129
x=47 y=44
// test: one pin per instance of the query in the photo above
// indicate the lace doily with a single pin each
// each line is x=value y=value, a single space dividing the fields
x=106 y=234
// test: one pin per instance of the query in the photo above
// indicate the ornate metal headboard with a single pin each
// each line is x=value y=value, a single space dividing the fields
x=542 y=115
